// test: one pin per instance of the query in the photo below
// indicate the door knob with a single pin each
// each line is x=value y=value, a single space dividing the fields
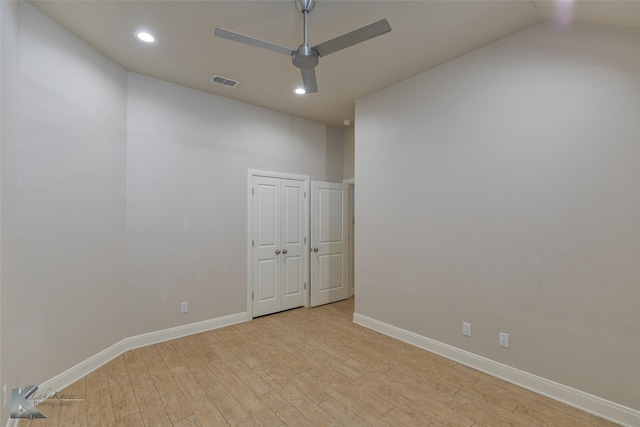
x=315 y=249
x=284 y=251
x=277 y=251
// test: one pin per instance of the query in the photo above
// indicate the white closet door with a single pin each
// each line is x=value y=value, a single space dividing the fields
x=266 y=245
x=292 y=243
x=278 y=261
x=329 y=243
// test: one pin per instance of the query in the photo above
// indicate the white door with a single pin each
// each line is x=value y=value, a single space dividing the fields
x=293 y=243
x=278 y=260
x=329 y=243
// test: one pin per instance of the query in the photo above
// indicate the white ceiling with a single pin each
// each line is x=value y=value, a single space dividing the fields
x=425 y=34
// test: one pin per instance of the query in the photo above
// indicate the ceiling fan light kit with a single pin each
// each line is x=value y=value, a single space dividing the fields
x=306 y=57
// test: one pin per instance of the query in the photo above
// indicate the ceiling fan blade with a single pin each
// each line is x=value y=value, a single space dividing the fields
x=309 y=80
x=251 y=41
x=354 y=37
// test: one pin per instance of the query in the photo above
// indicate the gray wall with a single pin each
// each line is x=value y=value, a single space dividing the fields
x=188 y=154
x=8 y=132
x=348 y=152
x=503 y=189
x=121 y=197
x=63 y=195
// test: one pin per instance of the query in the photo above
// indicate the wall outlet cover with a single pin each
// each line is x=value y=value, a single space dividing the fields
x=503 y=339
x=466 y=329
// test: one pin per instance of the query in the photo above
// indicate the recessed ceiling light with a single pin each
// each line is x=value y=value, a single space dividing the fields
x=145 y=37
x=300 y=91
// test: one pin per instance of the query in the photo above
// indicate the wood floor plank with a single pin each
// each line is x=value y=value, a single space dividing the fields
x=544 y=405
x=341 y=413
x=479 y=410
x=99 y=404
x=433 y=387
x=249 y=377
x=73 y=401
x=340 y=393
x=254 y=406
x=337 y=365
x=285 y=410
x=229 y=407
x=195 y=355
x=434 y=401
x=398 y=417
x=304 y=404
x=276 y=355
x=537 y=418
x=197 y=402
x=131 y=420
x=175 y=404
x=431 y=415
x=149 y=401
x=191 y=421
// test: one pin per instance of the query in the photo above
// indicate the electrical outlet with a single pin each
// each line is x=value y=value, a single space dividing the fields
x=184 y=307
x=466 y=329
x=503 y=339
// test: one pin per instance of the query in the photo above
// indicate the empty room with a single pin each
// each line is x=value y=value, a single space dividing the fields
x=320 y=212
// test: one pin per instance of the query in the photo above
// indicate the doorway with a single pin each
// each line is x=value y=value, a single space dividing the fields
x=297 y=242
x=278 y=231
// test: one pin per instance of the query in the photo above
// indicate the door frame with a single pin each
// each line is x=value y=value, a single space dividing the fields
x=307 y=189
x=351 y=185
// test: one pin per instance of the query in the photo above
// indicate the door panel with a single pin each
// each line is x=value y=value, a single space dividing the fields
x=278 y=247
x=331 y=268
x=329 y=240
x=293 y=244
x=293 y=208
x=292 y=277
x=267 y=226
x=266 y=277
x=331 y=210
x=266 y=280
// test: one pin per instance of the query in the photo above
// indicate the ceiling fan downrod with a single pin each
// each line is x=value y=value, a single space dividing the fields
x=305 y=6
x=305 y=56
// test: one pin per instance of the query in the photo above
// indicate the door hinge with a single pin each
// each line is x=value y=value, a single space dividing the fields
x=251 y=295
x=252 y=243
x=305 y=240
x=305 y=286
x=253 y=191
x=305 y=194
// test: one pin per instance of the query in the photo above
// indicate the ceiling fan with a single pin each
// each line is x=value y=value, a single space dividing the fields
x=306 y=56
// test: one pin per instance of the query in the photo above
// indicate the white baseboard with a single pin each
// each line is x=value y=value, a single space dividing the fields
x=595 y=405
x=89 y=365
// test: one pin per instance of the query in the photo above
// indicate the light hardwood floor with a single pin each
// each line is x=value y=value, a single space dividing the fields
x=305 y=367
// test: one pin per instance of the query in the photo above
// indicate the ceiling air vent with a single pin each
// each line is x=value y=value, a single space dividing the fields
x=223 y=81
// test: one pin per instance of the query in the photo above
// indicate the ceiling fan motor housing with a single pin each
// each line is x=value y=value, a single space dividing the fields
x=305 y=57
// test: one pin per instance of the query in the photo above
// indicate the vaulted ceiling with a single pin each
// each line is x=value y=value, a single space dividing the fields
x=424 y=35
